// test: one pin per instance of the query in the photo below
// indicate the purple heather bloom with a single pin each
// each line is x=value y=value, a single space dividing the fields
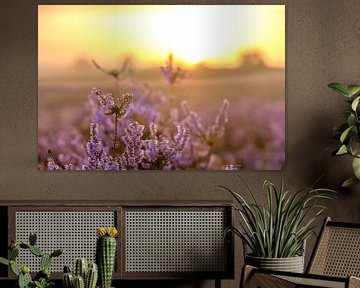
x=218 y=129
x=173 y=75
x=181 y=137
x=153 y=130
x=51 y=162
x=125 y=104
x=231 y=167
x=133 y=151
x=193 y=120
x=98 y=158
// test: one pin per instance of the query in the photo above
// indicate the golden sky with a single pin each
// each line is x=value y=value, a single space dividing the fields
x=213 y=34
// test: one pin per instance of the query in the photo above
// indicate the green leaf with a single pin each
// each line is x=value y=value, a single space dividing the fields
x=14 y=268
x=340 y=88
x=345 y=134
x=342 y=150
x=13 y=253
x=349 y=182
x=351 y=120
x=36 y=251
x=354 y=145
x=4 y=261
x=353 y=89
x=356 y=167
x=355 y=103
x=32 y=238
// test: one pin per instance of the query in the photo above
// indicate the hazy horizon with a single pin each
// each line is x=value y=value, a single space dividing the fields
x=214 y=35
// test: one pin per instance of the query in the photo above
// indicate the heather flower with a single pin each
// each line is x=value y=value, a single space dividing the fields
x=153 y=130
x=133 y=151
x=51 y=162
x=151 y=150
x=181 y=137
x=119 y=106
x=218 y=129
x=97 y=156
x=146 y=129
x=231 y=167
x=171 y=74
x=125 y=101
x=193 y=120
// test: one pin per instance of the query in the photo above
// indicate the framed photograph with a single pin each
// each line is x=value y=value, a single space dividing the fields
x=161 y=87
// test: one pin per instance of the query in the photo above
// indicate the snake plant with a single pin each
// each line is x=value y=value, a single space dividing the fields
x=279 y=228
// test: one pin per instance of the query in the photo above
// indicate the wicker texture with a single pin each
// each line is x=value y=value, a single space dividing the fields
x=175 y=241
x=299 y=281
x=336 y=257
x=75 y=231
x=338 y=252
x=268 y=281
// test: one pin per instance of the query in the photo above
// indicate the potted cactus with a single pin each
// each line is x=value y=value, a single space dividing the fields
x=106 y=254
x=84 y=275
x=42 y=278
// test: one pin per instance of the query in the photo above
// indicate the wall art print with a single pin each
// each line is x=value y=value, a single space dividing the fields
x=161 y=87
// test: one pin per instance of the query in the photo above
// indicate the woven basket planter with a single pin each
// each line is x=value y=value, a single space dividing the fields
x=291 y=264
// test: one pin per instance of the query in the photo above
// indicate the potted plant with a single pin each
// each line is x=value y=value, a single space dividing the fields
x=276 y=233
x=42 y=278
x=348 y=132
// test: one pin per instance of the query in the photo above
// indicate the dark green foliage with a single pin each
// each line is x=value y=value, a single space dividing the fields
x=13 y=253
x=57 y=252
x=44 y=273
x=32 y=239
x=24 y=245
x=348 y=132
x=67 y=269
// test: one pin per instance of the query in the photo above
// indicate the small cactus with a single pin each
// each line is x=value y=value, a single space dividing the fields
x=91 y=276
x=80 y=268
x=36 y=251
x=45 y=261
x=79 y=282
x=84 y=274
x=106 y=254
x=24 y=278
x=68 y=280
